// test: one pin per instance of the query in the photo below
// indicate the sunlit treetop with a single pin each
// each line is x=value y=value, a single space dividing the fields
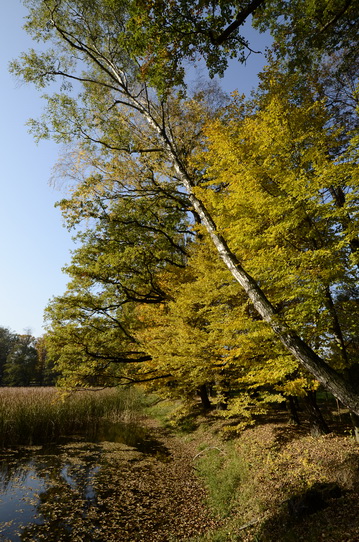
x=150 y=39
x=157 y=38
x=306 y=31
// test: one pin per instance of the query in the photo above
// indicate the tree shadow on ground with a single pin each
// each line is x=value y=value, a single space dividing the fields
x=323 y=512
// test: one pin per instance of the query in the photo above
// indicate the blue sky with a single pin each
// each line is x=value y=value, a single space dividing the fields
x=34 y=244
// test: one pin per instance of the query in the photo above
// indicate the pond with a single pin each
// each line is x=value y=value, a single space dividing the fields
x=66 y=491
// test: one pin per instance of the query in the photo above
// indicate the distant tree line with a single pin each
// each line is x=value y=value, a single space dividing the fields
x=23 y=360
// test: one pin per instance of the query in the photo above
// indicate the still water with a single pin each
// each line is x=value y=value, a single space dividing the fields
x=58 y=492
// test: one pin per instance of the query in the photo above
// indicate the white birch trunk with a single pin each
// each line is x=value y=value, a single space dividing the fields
x=326 y=375
x=330 y=379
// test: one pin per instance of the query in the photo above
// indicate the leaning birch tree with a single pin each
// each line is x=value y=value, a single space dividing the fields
x=105 y=99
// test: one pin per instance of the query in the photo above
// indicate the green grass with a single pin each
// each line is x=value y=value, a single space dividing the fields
x=222 y=470
x=37 y=415
x=161 y=409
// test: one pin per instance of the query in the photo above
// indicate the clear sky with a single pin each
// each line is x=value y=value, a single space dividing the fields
x=34 y=245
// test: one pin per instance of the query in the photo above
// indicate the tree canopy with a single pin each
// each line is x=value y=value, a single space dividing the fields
x=272 y=181
x=23 y=360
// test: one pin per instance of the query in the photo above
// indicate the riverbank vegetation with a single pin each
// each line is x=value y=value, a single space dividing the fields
x=30 y=416
x=282 y=486
x=269 y=481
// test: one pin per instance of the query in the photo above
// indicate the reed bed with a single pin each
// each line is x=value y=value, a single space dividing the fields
x=37 y=415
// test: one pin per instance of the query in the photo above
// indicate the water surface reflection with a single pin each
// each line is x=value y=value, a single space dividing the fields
x=49 y=492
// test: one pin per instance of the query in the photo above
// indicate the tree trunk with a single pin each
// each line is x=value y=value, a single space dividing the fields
x=292 y=410
x=318 y=425
x=139 y=101
x=203 y=393
x=326 y=375
x=355 y=421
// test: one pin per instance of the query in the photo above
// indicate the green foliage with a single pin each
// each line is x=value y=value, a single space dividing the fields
x=155 y=40
x=21 y=362
x=306 y=31
x=138 y=226
x=274 y=174
x=7 y=340
x=169 y=35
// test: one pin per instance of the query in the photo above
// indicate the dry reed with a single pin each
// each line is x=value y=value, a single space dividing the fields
x=38 y=415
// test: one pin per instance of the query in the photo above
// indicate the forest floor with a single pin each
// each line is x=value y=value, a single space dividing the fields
x=153 y=497
x=272 y=483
